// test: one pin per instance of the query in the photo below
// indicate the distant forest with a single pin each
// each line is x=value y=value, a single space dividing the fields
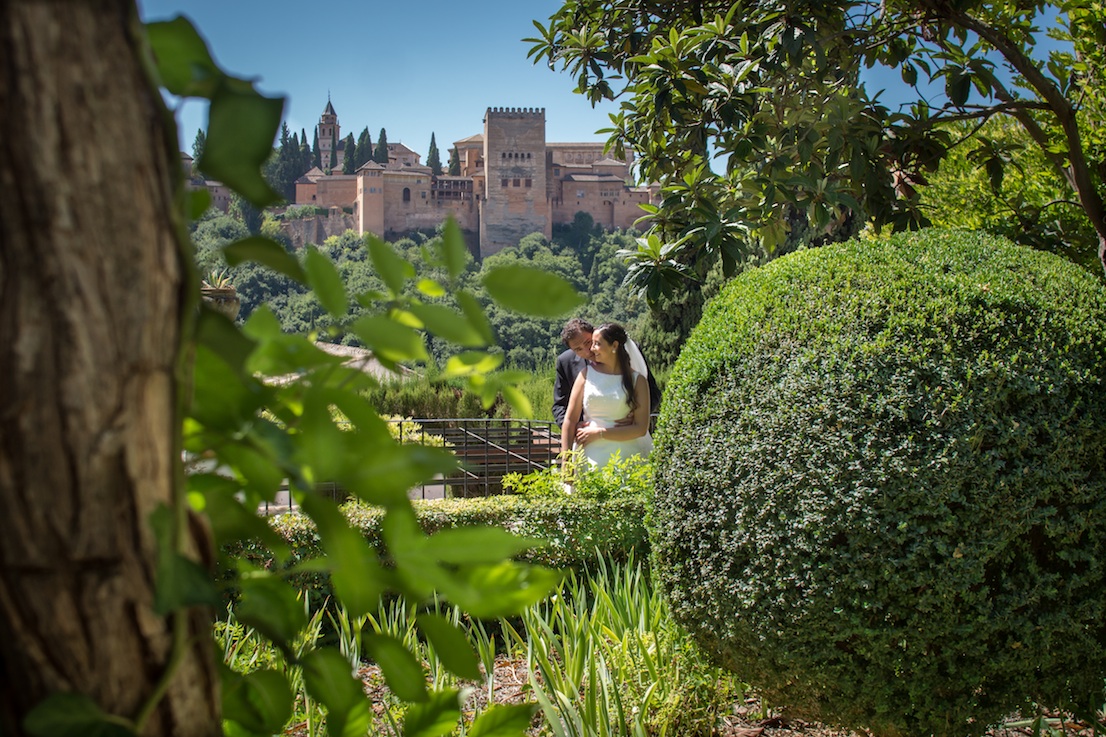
x=581 y=252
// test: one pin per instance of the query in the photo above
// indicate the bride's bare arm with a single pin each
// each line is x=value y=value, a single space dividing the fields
x=572 y=414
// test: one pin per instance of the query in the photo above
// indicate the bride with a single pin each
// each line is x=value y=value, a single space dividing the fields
x=614 y=398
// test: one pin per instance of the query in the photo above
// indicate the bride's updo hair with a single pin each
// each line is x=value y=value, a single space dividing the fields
x=613 y=333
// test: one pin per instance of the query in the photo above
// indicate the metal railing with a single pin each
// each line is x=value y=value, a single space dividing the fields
x=487 y=448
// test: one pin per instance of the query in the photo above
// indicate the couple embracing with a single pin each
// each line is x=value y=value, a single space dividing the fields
x=603 y=394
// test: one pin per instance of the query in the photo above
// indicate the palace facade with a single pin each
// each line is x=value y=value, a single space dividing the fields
x=511 y=183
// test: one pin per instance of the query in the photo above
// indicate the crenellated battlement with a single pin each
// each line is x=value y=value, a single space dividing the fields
x=517 y=112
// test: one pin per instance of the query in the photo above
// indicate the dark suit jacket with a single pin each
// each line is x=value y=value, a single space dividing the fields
x=569 y=366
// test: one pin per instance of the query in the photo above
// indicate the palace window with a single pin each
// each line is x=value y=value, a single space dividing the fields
x=406 y=194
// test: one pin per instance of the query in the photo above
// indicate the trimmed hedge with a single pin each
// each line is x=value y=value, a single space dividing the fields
x=577 y=530
x=881 y=475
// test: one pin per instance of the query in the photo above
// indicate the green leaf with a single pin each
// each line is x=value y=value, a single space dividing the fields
x=532 y=291
x=500 y=590
x=958 y=85
x=390 y=340
x=230 y=519
x=272 y=607
x=73 y=715
x=356 y=574
x=477 y=545
x=475 y=314
x=199 y=200
x=324 y=279
x=183 y=60
x=504 y=720
x=328 y=678
x=435 y=717
x=445 y=323
x=216 y=332
x=179 y=582
x=241 y=126
x=471 y=363
x=402 y=671
x=259 y=469
x=385 y=478
x=391 y=267
x=455 y=253
x=430 y=288
x=267 y=253
x=260 y=702
x=222 y=397
x=451 y=644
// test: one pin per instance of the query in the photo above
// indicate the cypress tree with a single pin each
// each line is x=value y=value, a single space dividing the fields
x=349 y=158
x=198 y=149
x=364 y=147
x=454 y=163
x=380 y=155
x=305 y=153
x=316 y=156
x=433 y=158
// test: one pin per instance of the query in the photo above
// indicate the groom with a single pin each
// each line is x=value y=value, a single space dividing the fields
x=577 y=335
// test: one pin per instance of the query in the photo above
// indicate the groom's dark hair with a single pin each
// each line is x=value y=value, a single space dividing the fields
x=574 y=327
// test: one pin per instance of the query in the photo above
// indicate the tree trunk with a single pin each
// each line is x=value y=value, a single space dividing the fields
x=90 y=311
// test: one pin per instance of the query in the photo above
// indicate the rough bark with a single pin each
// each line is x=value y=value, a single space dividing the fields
x=90 y=307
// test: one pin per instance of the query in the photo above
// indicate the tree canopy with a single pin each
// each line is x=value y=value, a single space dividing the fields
x=750 y=112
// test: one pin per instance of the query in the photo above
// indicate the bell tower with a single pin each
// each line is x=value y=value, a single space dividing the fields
x=330 y=133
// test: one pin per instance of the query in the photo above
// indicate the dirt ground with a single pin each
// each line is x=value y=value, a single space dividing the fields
x=511 y=686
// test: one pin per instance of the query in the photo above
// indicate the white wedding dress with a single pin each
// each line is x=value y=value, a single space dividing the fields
x=605 y=403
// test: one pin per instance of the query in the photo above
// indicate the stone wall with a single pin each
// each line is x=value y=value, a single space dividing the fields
x=317 y=229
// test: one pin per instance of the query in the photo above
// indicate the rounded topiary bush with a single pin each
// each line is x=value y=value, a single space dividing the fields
x=880 y=482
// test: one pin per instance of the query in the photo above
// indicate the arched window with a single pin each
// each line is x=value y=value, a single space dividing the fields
x=406 y=194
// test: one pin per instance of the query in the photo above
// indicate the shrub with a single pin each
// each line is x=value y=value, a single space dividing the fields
x=881 y=484
x=629 y=478
x=577 y=530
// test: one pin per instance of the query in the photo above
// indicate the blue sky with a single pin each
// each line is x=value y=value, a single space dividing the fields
x=412 y=68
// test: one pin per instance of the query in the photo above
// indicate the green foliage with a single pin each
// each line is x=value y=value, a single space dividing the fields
x=1000 y=182
x=364 y=150
x=575 y=528
x=621 y=478
x=434 y=158
x=605 y=657
x=349 y=159
x=883 y=491
x=751 y=113
x=254 y=436
x=380 y=153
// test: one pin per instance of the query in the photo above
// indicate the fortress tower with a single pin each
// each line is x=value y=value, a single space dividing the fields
x=516 y=202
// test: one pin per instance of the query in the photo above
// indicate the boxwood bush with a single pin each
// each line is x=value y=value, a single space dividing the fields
x=881 y=493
